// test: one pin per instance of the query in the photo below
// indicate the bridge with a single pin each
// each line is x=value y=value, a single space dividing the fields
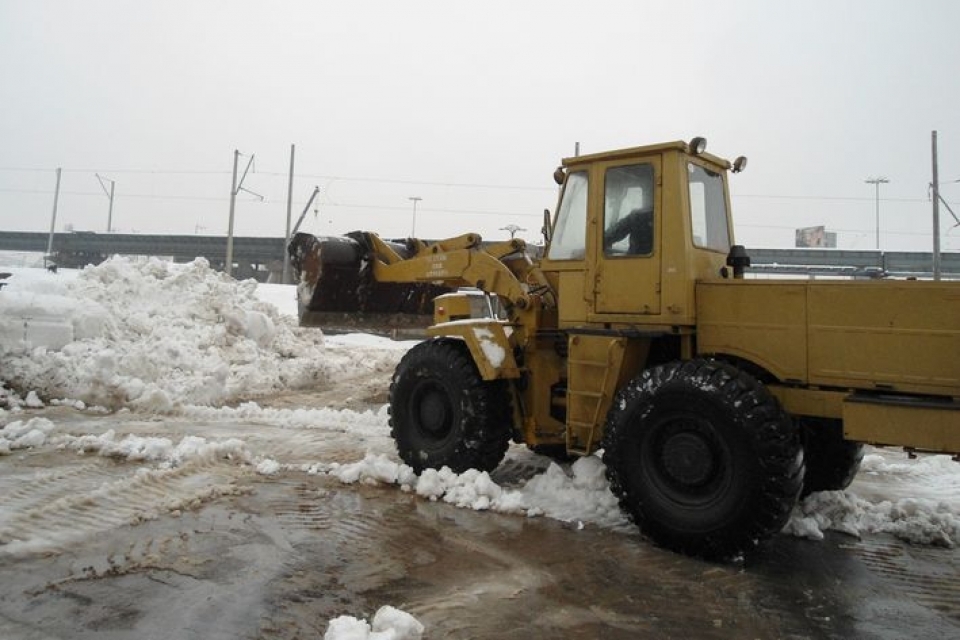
x=252 y=257
x=261 y=257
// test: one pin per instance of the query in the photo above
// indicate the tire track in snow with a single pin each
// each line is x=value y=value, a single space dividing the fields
x=80 y=505
x=24 y=489
x=927 y=576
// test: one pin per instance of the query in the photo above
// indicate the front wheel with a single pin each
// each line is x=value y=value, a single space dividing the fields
x=702 y=458
x=442 y=413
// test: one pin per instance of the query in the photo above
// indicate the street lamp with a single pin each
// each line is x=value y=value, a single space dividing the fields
x=876 y=182
x=413 y=229
x=512 y=229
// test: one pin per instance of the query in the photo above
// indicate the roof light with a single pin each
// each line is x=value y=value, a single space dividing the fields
x=740 y=164
x=698 y=145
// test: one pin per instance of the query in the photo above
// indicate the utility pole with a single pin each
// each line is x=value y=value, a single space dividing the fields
x=285 y=278
x=53 y=218
x=935 y=186
x=413 y=230
x=109 y=194
x=877 y=182
x=228 y=263
x=236 y=188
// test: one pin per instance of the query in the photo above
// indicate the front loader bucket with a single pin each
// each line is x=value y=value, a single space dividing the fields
x=337 y=292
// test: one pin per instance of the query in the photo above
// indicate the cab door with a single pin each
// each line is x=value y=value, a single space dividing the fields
x=627 y=278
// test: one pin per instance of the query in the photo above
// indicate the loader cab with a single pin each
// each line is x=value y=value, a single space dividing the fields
x=634 y=230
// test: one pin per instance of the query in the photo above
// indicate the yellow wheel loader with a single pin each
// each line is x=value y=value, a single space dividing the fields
x=717 y=399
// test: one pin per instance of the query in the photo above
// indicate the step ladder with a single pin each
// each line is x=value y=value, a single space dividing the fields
x=590 y=387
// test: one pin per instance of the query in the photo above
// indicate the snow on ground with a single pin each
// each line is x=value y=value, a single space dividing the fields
x=388 y=624
x=187 y=342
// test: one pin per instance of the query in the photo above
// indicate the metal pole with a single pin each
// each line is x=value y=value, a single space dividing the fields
x=316 y=190
x=110 y=210
x=53 y=219
x=413 y=230
x=285 y=279
x=936 y=209
x=877 y=182
x=228 y=266
x=877 y=201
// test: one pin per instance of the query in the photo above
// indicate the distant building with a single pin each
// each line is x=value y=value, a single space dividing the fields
x=816 y=237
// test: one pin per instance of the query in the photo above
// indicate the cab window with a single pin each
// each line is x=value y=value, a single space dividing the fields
x=628 y=211
x=569 y=234
x=708 y=209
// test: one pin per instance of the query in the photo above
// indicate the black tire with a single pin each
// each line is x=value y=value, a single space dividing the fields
x=442 y=413
x=832 y=462
x=702 y=458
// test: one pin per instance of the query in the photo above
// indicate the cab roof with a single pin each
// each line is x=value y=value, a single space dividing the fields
x=651 y=149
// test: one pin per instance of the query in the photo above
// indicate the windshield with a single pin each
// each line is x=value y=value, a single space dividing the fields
x=708 y=209
x=569 y=236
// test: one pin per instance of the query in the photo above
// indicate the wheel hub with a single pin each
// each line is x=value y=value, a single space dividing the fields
x=433 y=413
x=688 y=459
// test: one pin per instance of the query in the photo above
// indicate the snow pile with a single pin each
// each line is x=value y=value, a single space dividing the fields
x=37 y=432
x=152 y=449
x=388 y=624
x=927 y=510
x=152 y=336
x=359 y=423
x=583 y=496
x=916 y=520
x=268 y=467
x=38 y=310
x=24 y=435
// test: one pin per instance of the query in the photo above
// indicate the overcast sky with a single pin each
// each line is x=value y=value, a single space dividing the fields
x=470 y=106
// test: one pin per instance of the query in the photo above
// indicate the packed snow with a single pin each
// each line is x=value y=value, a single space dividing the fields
x=159 y=339
x=388 y=624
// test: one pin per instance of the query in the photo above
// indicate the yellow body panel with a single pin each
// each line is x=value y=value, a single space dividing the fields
x=901 y=336
x=890 y=336
x=763 y=322
x=931 y=428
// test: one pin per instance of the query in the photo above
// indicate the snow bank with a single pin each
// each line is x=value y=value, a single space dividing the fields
x=37 y=432
x=916 y=520
x=582 y=497
x=930 y=515
x=152 y=449
x=24 y=435
x=154 y=336
x=360 y=423
x=388 y=624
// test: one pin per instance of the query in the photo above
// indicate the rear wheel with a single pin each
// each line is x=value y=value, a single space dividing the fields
x=702 y=458
x=442 y=413
x=832 y=462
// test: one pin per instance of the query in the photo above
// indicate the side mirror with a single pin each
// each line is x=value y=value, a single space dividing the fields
x=545 y=229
